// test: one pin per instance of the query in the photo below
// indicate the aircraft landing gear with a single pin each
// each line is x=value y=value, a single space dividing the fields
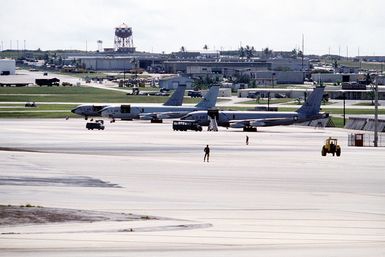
x=156 y=121
x=249 y=129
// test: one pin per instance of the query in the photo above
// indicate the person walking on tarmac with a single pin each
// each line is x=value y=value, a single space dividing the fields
x=207 y=153
x=247 y=140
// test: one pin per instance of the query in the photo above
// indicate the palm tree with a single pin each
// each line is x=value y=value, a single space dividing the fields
x=267 y=52
x=300 y=53
x=241 y=52
x=249 y=51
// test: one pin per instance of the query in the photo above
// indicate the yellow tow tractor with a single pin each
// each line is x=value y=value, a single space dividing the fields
x=331 y=146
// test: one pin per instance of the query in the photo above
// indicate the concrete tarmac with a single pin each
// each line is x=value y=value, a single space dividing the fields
x=276 y=196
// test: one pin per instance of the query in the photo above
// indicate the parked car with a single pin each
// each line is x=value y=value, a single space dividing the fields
x=30 y=104
x=163 y=90
x=278 y=95
x=252 y=95
x=184 y=125
x=95 y=125
x=194 y=94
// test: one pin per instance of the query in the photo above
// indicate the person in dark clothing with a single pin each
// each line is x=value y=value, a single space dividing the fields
x=207 y=153
x=247 y=140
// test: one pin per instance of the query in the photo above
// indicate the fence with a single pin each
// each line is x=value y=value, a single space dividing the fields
x=366 y=140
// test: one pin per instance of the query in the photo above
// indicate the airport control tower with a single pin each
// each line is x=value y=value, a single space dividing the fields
x=123 y=39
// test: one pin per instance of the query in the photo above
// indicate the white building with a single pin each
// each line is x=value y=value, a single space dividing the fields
x=264 y=92
x=234 y=87
x=7 y=67
x=223 y=92
x=289 y=64
x=337 y=77
x=278 y=77
x=334 y=92
x=107 y=63
x=174 y=81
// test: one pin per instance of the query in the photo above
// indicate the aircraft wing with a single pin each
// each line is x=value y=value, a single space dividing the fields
x=266 y=122
x=239 y=123
x=263 y=122
x=163 y=115
x=273 y=122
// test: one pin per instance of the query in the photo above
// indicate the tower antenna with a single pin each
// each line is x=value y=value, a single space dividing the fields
x=303 y=49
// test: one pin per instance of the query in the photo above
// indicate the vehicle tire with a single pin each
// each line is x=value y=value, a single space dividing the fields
x=323 y=152
x=338 y=152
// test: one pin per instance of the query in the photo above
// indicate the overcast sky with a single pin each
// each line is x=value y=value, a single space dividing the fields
x=166 y=25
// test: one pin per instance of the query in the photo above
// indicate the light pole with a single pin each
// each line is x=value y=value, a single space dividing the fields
x=344 y=98
x=124 y=73
x=376 y=115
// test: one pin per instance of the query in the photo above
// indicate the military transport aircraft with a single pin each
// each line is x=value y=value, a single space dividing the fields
x=94 y=110
x=157 y=113
x=310 y=110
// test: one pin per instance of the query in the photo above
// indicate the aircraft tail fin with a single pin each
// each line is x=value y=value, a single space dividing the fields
x=176 y=99
x=210 y=99
x=313 y=103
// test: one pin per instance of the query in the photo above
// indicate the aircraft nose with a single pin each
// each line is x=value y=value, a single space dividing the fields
x=74 y=110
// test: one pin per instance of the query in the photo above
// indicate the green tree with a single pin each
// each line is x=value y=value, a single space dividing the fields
x=242 y=52
x=368 y=79
x=300 y=53
x=249 y=51
x=46 y=57
x=245 y=79
x=267 y=52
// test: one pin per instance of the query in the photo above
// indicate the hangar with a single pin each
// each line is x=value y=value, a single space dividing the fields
x=7 y=67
